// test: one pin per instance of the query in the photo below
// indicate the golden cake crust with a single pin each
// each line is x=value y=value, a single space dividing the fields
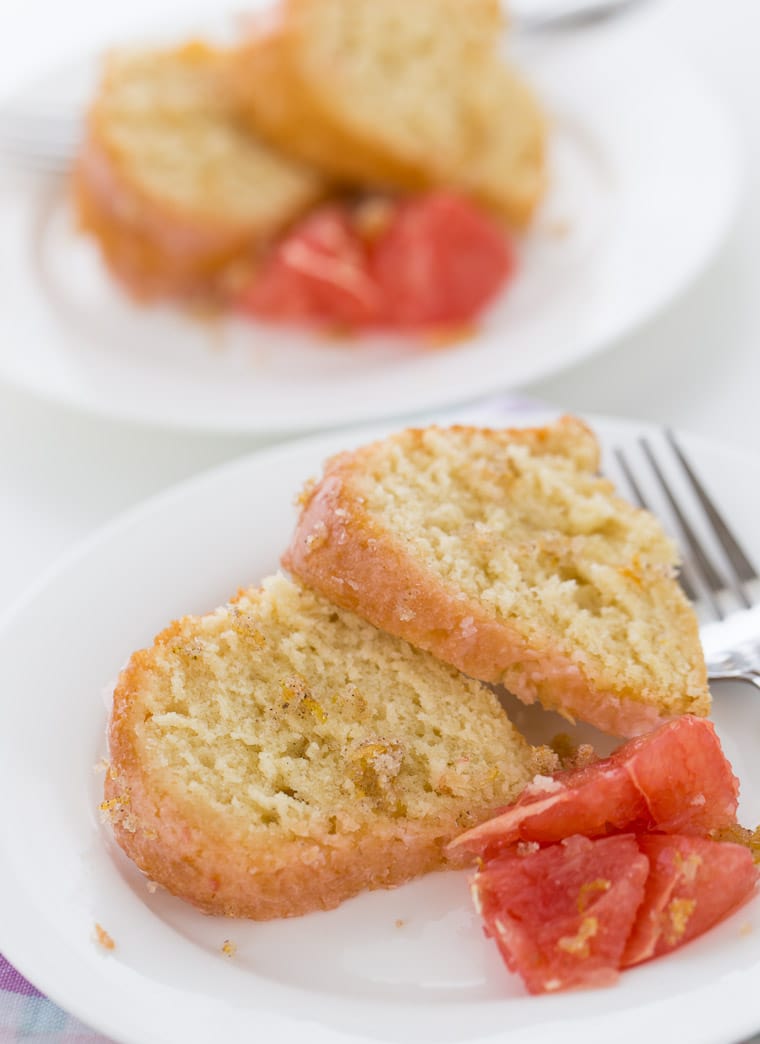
x=348 y=553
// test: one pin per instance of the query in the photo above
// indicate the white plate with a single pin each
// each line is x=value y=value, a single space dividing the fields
x=353 y=973
x=644 y=177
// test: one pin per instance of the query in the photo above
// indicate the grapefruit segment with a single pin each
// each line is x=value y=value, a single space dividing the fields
x=440 y=261
x=561 y=915
x=675 y=778
x=433 y=261
x=684 y=777
x=318 y=272
x=693 y=884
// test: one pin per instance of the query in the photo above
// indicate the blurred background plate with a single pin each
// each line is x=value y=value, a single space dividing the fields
x=644 y=180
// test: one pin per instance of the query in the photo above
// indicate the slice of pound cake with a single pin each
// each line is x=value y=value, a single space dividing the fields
x=505 y=554
x=280 y=754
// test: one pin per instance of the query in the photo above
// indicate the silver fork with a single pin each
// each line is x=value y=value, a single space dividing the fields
x=716 y=574
x=37 y=139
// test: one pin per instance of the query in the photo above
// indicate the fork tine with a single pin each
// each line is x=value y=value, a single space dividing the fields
x=711 y=576
x=743 y=568
x=735 y=583
x=638 y=497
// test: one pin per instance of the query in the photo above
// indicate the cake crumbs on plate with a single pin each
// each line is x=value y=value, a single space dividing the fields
x=400 y=922
x=102 y=938
x=747 y=928
x=740 y=835
x=229 y=948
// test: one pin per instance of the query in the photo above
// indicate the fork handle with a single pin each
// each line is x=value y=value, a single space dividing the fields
x=745 y=676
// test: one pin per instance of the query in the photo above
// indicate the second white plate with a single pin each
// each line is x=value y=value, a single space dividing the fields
x=644 y=177
x=398 y=966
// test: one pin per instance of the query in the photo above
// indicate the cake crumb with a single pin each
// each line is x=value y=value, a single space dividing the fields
x=572 y=755
x=229 y=948
x=116 y=809
x=740 y=835
x=746 y=929
x=545 y=760
x=102 y=938
x=400 y=922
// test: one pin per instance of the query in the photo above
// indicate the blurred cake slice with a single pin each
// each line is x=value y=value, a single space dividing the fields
x=406 y=93
x=172 y=187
